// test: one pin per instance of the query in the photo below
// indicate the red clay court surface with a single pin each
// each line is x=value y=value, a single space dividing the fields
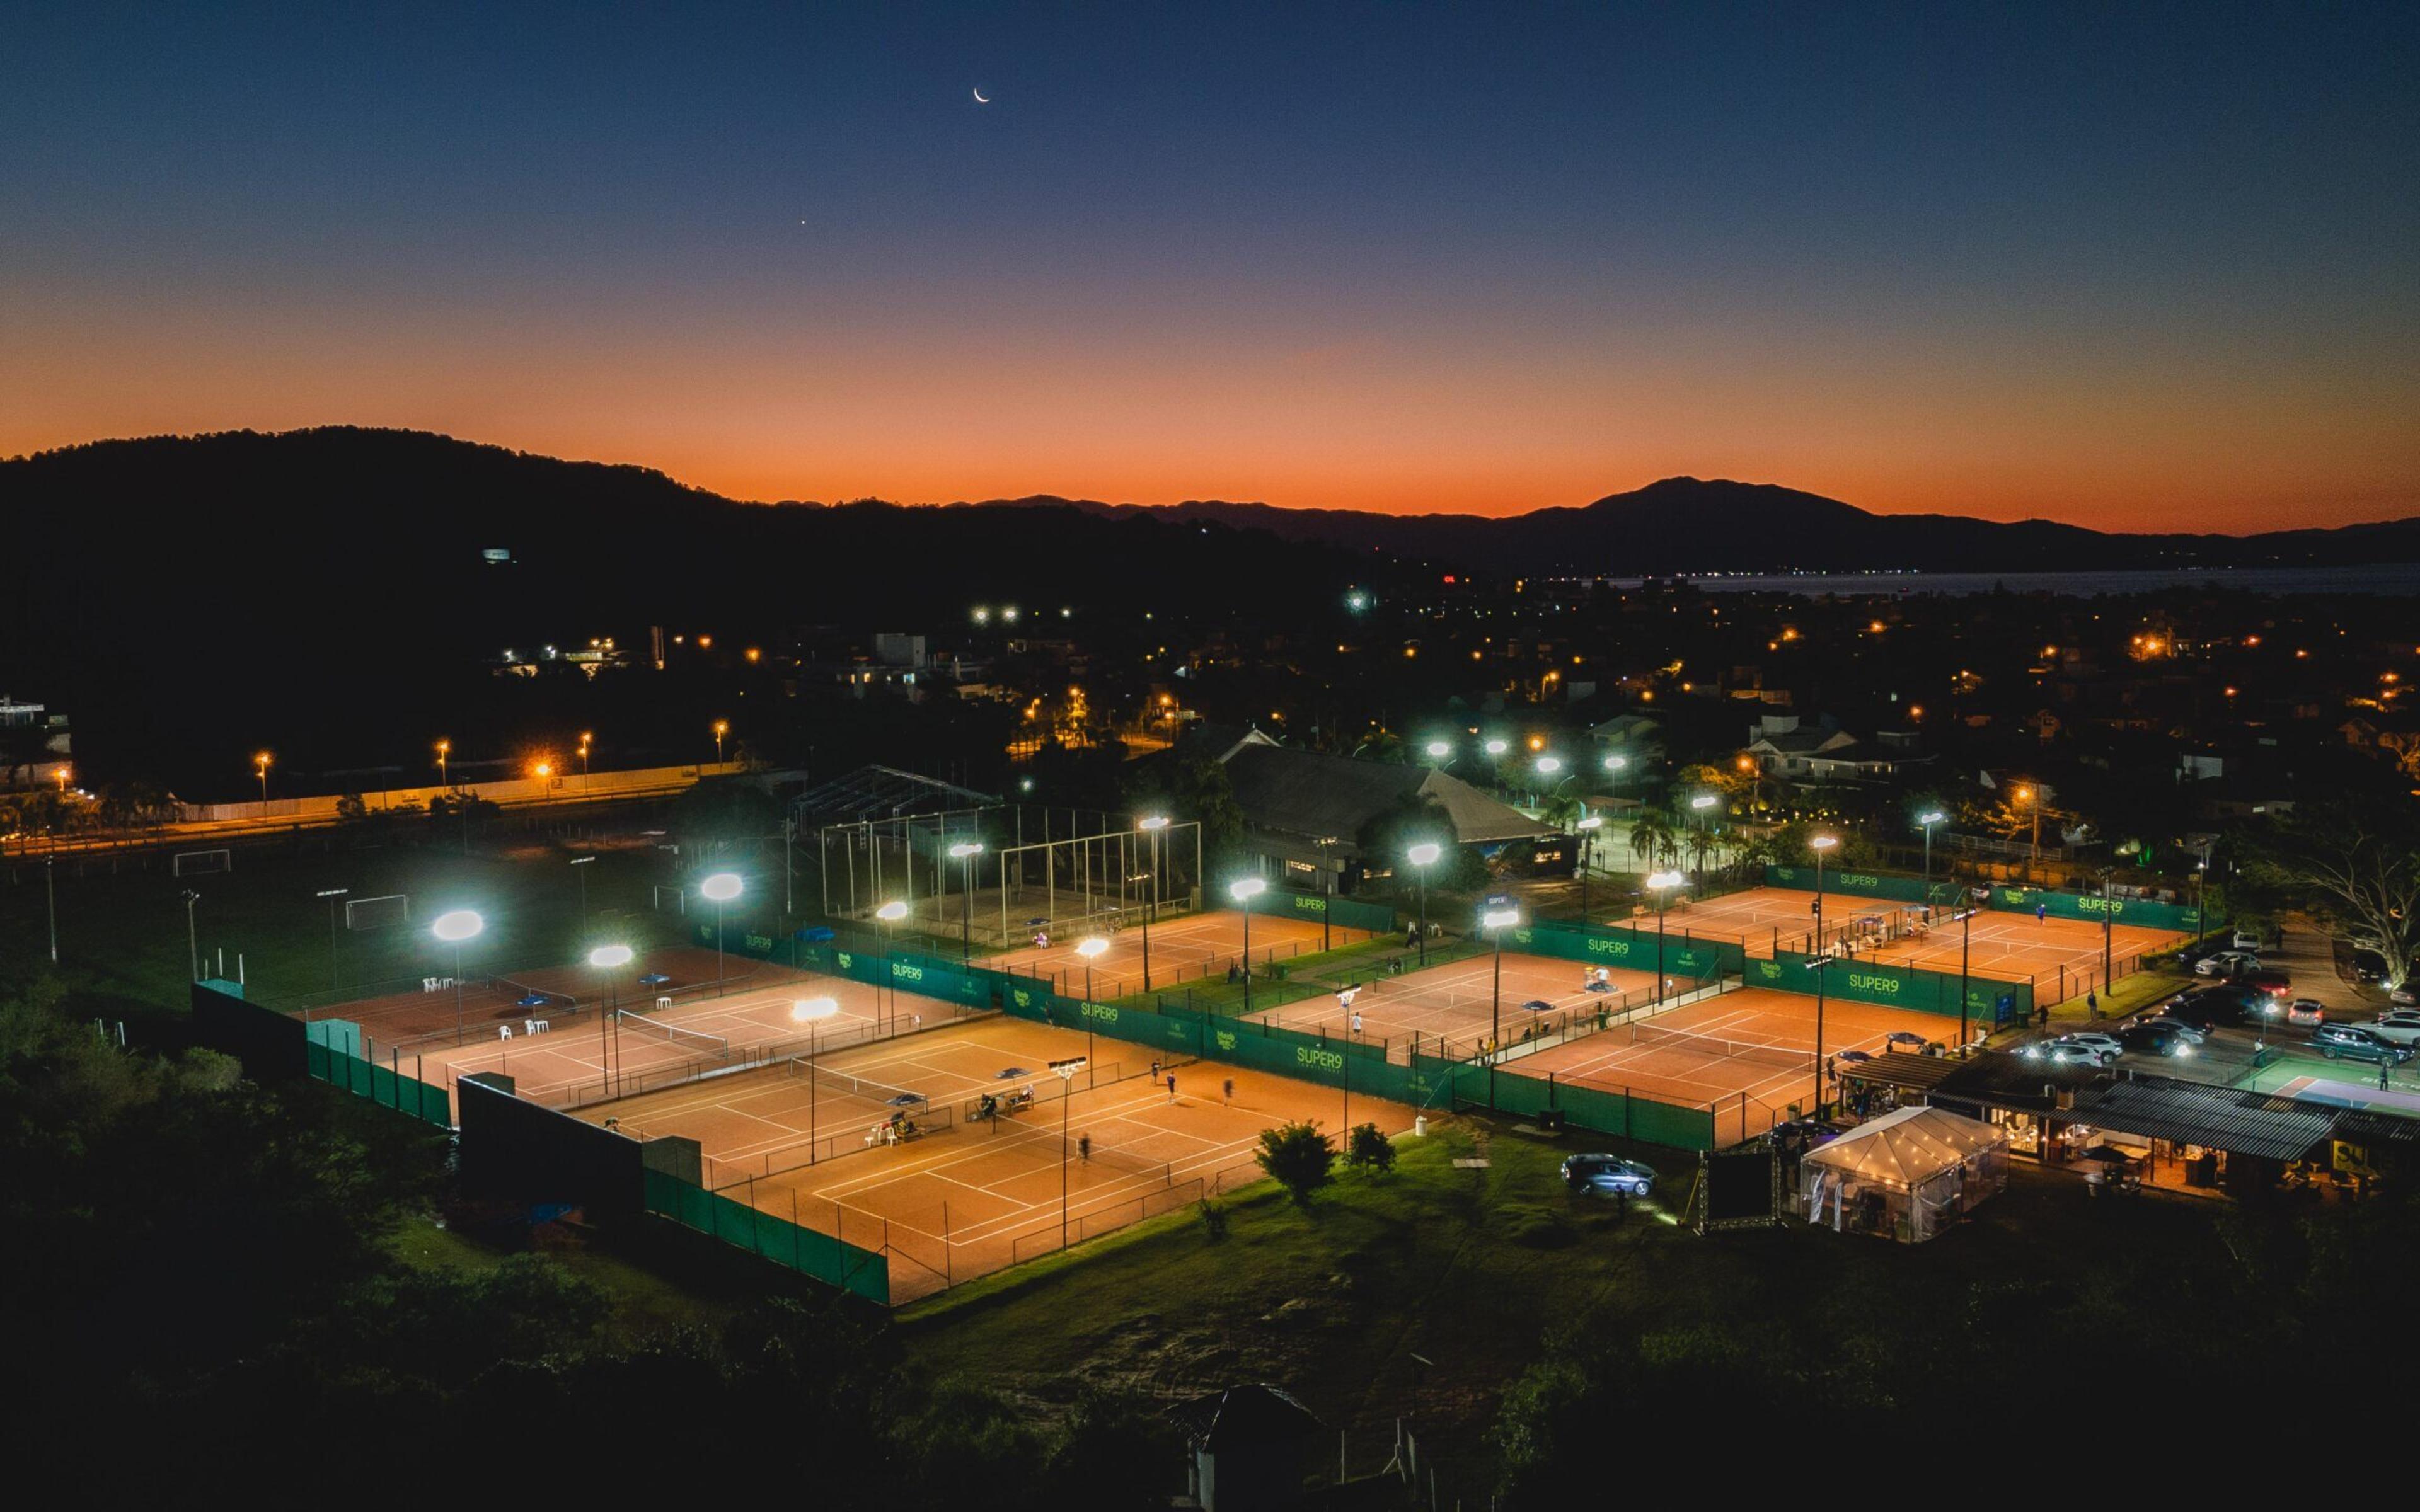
x=564 y=1057
x=2060 y=956
x=1748 y=1093
x=1184 y=948
x=981 y=1194
x=1450 y=1010
x=403 y=1020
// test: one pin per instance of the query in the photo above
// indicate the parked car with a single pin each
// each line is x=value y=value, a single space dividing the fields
x=2065 y=1052
x=2225 y=964
x=2246 y=940
x=2147 y=1038
x=2208 y=1010
x=2307 y=1011
x=2106 y=1043
x=1607 y=1175
x=2406 y=996
x=2398 y=1026
x=2270 y=979
x=2352 y=1041
x=2160 y=1024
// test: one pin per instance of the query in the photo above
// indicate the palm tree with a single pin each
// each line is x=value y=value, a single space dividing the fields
x=1651 y=835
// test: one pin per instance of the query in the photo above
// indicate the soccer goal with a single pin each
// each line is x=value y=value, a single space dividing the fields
x=378 y=913
x=197 y=863
x=671 y=899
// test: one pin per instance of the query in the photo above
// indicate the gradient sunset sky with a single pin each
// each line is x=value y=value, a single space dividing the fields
x=2137 y=266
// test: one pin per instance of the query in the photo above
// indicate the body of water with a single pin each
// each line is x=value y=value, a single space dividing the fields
x=2397 y=579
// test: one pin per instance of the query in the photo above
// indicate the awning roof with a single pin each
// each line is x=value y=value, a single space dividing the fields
x=1908 y=1147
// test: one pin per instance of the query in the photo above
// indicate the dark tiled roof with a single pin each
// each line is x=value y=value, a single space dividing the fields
x=1305 y=793
x=882 y=792
x=2154 y=1107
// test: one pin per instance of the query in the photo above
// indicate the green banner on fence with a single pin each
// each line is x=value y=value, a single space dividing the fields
x=807 y=1251
x=1345 y=912
x=1892 y=986
x=2146 y=912
x=1852 y=884
x=1632 y=949
x=1612 y=1111
x=328 y=1057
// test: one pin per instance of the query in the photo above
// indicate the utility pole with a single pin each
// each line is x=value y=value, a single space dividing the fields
x=332 y=894
x=51 y=897
x=193 y=942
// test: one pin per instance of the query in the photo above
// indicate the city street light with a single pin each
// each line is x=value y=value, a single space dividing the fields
x=1090 y=949
x=1588 y=825
x=605 y=958
x=1927 y=820
x=1495 y=921
x=2031 y=797
x=444 y=748
x=1244 y=890
x=718 y=889
x=1440 y=749
x=891 y=914
x=260 y=768
x=1424 y=855
x=967 y=850
x=1817 y=960
x=721 y=728
x=1819 y=845
x=193 y=941
x=1151 y=825
x=332 y=894
x=453 y=928
x=1701 y=803
x=1661 y=884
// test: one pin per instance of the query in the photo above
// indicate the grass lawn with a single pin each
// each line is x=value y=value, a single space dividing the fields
x=1472 y=1269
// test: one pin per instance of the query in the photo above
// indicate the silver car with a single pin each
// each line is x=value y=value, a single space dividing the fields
x=2399 y=1025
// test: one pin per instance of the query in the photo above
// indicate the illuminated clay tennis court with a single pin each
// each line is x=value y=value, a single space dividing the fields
x=1746 y=1054
x=411 y=1021
x=966 y=1194
x=1452 y=1010
x=591 y=1057
x=1185 y=949
x=2061 y=957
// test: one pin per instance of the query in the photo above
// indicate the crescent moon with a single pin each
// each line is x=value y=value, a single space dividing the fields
x=979 y=98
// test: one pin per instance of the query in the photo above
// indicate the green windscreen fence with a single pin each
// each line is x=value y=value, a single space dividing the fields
x=2147 y=913
x=1613 y=1111
x=1636 y=950
x=809 y=1252
x=1894 y=986
x=1858 y=883
x=332 y=1054
x=1345 y=912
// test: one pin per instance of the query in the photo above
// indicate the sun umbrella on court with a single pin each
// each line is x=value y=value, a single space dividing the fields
x=907 y=1100
x=533 y=1000
x=1539 y=1005
x=655 y=979
x=1010 y=1074
x=1852 y=1055
x=1904 y=1037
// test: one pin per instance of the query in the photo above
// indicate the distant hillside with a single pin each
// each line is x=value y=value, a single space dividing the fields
x=185 y=599
x=1685 y=525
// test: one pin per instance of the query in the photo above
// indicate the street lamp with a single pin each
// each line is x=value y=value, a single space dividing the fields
x=1439 y=750
x=577 y=862
x=1927 y=820
x=718 y=889
x=260 y=768
x=1661 y=884
x=444 y=748
x=1244 y=890
x=891 y=914
x=1702 y=802
x=1588 y=826
x=332 y=894
x=1090 y=949
x=453 y=928
x=721 y=728
x=2031 y=797
x=1151 y=824
x=967 y=850
x=1424 y=855
x=193 y=941
x=1495 y=921
x=1819 y=845
x=605 y=958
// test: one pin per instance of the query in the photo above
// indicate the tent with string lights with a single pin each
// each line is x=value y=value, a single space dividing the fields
x=1907 y=1174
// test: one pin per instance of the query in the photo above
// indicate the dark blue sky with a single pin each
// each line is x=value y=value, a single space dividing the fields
x=2062 y=260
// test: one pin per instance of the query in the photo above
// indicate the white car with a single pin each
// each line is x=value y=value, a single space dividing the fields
x=2093 y=1039
x=2226 y=963
x=2245 y=940
x=2399 y=1025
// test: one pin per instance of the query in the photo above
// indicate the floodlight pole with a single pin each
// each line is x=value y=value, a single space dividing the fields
x=1496 y=1020
x=1247 y=902
x=717 y=925
x=1424 y=913
x=193 y=941
x=51 y=898
x=1151 y=912
x=1965 y=938
x=332 y=894
x=458 y=992
x=1661 y=896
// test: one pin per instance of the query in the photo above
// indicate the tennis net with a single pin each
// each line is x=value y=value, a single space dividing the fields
x=841 y=1085
x=692 y=1042
x=1781 y=1057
